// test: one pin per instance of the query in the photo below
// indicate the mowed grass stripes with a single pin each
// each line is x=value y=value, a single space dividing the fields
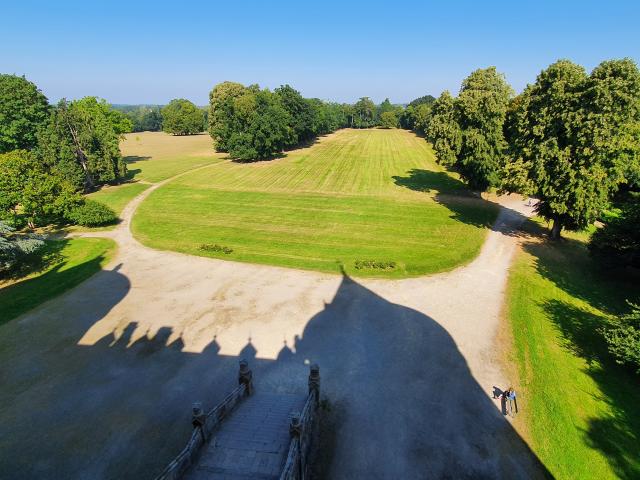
x=324 y=208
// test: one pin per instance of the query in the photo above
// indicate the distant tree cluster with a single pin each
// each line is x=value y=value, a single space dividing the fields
x=50 y=155
x=570 y=139
x=253 y=123
x=144 y=118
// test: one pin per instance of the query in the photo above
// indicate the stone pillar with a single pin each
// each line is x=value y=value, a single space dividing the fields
x=295 y=425
x=314 y=381
x=198 y=419
x=245 y=376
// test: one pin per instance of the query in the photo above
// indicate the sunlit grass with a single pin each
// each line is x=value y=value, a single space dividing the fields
x=372 y=196
x=582 y=411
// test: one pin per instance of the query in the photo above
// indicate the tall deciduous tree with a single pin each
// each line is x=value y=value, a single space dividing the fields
x=389 y=119
x=443 y=130
x=302 y=113
x=222 y=116
x=81 y=144
x=364 y=113
x=23 y=110
x=182 y=117
x=28 y=189
x=482 y=106
x=574 y=138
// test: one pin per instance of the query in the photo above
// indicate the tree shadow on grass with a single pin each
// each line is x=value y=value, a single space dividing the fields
x=22 y=296
x=466 y=206
x=616 y=435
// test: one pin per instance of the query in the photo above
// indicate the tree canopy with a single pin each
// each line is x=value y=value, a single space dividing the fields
x=443 y=130
x=389 y=119
x=182 y=117
x=23 y=110
x=81 y=143
x=252 y=123
x=574 y=139
x=482 y=107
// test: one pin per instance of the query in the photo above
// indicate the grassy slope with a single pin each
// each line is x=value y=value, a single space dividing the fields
x=156 y=156
x=66 y=264
x=583 y=411
x=356 y=195
x=118 y=196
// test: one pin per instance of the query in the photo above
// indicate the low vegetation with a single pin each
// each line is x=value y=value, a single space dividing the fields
x=60 y=266
x=582 y=409
x=92 y=214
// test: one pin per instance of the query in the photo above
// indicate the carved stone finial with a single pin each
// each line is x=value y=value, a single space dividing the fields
x=314 y=380
x=295 y=424
x=197 y=415
x=245 y=376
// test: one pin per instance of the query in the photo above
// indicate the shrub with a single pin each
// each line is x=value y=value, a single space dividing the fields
x=623 y=338
x=14 y=247
x=374 y=264
x=92 y=214
x=207 y=247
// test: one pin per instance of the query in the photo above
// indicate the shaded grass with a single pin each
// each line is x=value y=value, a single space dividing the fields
x=324 y=208
x=582 y=410
x=64 y=264
x=117 y=197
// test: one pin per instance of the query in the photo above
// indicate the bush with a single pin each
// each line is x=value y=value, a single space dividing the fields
x=92 y=214
x=14 y=247
x=374 y=264
x=623 y=338
x=207 y=247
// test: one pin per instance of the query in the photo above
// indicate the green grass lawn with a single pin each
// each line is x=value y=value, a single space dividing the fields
x=156 y=156
x=66 y=263
x=357 y=195
x=118 y=196
x=582 y=410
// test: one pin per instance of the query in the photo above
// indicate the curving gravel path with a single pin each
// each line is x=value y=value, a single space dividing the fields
x=98 y=382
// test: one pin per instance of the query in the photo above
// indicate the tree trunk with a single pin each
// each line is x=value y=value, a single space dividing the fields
x=556 y=228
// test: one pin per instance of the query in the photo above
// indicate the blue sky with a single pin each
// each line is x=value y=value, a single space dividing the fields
x=151 y=52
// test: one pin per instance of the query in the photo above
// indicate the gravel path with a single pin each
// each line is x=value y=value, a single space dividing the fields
x=98 y=383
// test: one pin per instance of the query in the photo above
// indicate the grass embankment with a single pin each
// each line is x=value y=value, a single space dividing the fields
x=372 y=196
x=582 y=410
x=118 y=196
x=65 y=264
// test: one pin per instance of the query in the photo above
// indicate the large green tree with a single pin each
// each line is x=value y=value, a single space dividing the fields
x=482 y=106
x=182 y=117
x=389 y=119
x=81 y=143
x=223 y=121
x=23 y=110
x=443 y=130
x=364 y=113
x=574 y=138
x=302 y=113
x=30 y=191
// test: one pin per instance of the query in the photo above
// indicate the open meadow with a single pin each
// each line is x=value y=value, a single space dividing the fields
x=370 y=202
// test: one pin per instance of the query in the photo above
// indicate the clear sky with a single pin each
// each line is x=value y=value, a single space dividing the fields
x=151 y=52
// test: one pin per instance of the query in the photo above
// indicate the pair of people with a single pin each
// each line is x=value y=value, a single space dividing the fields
x=509 y=395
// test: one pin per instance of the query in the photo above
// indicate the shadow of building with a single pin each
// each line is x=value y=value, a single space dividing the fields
x=407 y=402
